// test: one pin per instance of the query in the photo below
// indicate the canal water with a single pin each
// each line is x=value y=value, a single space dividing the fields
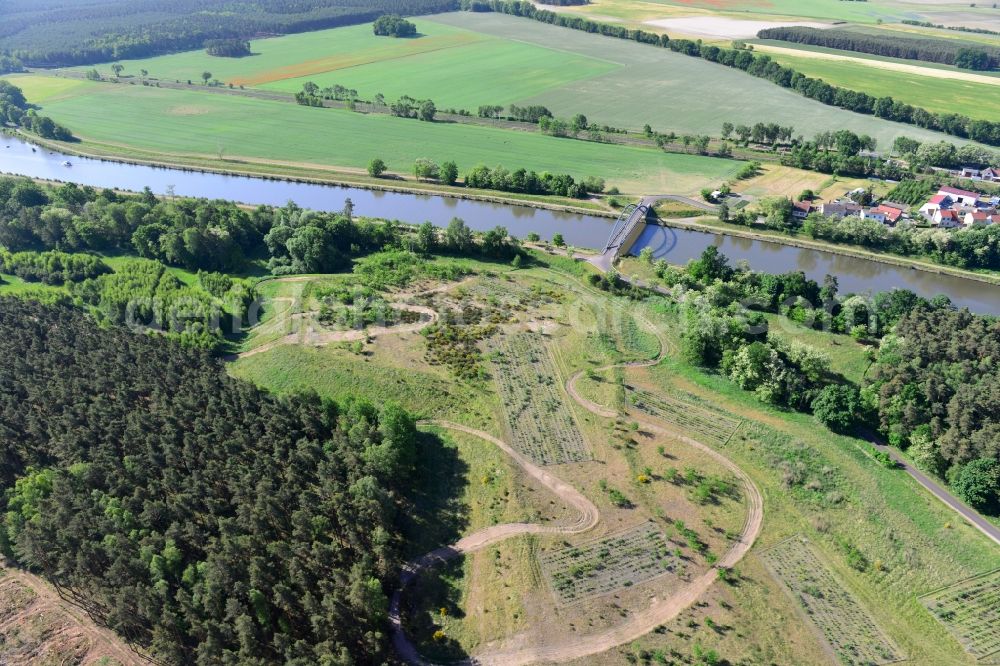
x=676 y=245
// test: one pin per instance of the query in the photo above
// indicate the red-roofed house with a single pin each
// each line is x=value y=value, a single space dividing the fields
x=936 y=203
x=947 y=219
x=891 y=214
x=960 y=196
x=991 y=174
x=801 y=209
x=977 y=218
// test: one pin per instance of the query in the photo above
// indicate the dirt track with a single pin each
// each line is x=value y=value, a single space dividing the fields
x=103 y=641
x=640 y=622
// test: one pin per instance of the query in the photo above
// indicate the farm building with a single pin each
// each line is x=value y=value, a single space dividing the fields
x=964 y=197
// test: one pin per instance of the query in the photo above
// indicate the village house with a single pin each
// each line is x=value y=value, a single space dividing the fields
x=802 y=209
x=947 y=219
x=936 y=204
x=872 y=214
x=889 y=212
x=839 y=209
x=990 y=174
x=981 y=218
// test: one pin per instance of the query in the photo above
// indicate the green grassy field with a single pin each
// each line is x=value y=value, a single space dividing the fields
x=492 y=70
x=671 y=91
x=186 y=122
x=502 y=59
x=976 y=100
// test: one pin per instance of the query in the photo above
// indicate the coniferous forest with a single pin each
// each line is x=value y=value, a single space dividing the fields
x=191 y=512
x=48 y=33
x=946 y=51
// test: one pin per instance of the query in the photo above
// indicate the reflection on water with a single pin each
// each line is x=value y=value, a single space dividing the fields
x=854 y=274
x=16 y=156
x=676 y=245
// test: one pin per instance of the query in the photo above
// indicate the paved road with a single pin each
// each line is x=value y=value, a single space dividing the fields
x=654 y=199
x=952 y=502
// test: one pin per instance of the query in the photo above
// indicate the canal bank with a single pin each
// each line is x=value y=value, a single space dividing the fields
x=678 y=244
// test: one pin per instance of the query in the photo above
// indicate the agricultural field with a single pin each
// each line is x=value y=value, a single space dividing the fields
x=845 y=624
x=970 y=609
x=671 y=91
x=231 y=129
x=939 y=11
x=493 y=70
x=540 y=422
x=704 y=425
x=776 y=180
x=515 y=61
x=611 y=563
x=939 y=90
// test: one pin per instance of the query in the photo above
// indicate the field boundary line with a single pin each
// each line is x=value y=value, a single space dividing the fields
x=735 y=430
x=959 y=582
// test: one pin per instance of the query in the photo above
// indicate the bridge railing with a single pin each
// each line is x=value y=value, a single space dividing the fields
x=620 y=223
x=625 y=224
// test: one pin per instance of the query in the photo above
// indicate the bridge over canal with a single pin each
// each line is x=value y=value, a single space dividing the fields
x=632 y=222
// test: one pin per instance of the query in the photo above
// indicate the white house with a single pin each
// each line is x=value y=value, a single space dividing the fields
x=873 y=214
x=947 y=219
x=981 y=218
x=960 y=196
x=937 y=203
x=977 y=218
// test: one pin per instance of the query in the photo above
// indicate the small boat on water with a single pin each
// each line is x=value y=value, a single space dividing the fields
x=67 y=163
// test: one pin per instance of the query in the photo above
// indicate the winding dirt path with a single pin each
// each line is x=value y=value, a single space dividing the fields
x=587 y=519
x=639 y=622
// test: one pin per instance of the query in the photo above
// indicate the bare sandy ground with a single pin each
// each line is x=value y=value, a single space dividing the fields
x=728 y=28
x=71 y=625
x=881 y=64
